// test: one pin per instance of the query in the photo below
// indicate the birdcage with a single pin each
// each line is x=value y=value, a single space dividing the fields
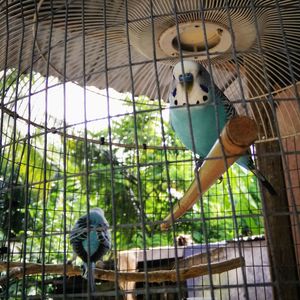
x=87 y=94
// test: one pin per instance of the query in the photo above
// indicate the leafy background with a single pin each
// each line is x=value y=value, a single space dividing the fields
x=47 y=180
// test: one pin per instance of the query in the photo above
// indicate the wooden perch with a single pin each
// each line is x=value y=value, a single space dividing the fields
x=201 y=258
x=109 y=275
x=236 y=137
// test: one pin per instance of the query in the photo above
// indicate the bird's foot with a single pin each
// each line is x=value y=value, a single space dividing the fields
x=220 y=179
x=84 y=271
x=100 y=264
x=199 y=163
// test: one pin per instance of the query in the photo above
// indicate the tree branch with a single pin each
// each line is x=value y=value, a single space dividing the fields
x=153 y=276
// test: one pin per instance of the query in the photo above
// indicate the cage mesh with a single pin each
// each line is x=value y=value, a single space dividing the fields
x=85 y=123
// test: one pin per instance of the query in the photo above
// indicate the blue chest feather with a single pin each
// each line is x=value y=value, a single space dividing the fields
x=204 y=125
x=94 y=243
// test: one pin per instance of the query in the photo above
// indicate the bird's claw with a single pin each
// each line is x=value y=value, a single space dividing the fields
x=220 y=179
x=199 y=163
x=84 y=272
x=100 y=264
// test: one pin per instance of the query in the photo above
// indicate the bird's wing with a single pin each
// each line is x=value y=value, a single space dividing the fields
x=229 y=108
x=79 y=250
x=104 y=236
x=79 y=232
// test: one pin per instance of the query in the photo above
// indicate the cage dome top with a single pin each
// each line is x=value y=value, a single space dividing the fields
x=80 y=43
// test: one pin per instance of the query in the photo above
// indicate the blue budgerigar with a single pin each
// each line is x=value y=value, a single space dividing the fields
x=195 y=87
x=99 y=241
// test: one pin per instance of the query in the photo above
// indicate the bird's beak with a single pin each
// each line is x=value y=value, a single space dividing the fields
x=186 y=78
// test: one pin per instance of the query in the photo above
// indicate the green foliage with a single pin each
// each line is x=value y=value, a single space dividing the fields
x=218 y=207
x=132 y=195
x=131 y=184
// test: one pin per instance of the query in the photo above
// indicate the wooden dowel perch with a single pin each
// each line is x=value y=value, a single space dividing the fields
x=153 y=276
x=236 y=137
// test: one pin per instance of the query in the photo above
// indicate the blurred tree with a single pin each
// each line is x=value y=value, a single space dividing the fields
x=51 y=188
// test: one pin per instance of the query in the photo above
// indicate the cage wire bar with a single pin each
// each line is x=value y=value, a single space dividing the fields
x=110 y=148
x=85 y=123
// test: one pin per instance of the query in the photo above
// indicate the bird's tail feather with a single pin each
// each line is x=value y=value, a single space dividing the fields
x=89 y=275
x=264 y=181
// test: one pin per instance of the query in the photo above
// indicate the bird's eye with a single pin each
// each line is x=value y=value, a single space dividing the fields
x=175 y=102
x=174 y=92
x=205 y=98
